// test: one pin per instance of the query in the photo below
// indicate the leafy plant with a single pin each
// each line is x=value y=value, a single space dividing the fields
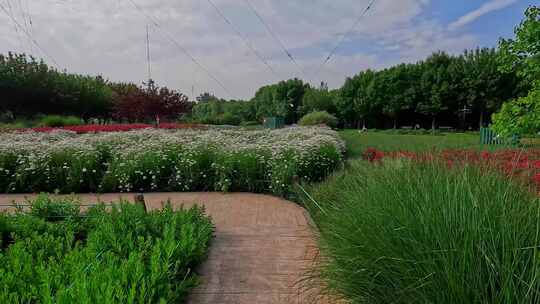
x=118 y=254
x=319 y=118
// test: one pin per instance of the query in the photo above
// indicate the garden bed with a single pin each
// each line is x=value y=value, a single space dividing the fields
x=53 y=253
x=167 y=160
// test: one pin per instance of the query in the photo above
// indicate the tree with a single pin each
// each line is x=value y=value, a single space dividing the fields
x=151 y=102
x=436 y=85
x=522 y=54
x=315 y=100
x=484 y=86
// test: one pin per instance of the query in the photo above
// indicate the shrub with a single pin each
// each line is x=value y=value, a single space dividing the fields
x=319 y=118
x=118 y=254
x=403 y=233
x=60 y=121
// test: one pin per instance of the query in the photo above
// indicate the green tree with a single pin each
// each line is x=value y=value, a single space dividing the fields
x=522 y=54
x=436 y=86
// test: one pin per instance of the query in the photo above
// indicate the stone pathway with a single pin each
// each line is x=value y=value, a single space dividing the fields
x=262 y=249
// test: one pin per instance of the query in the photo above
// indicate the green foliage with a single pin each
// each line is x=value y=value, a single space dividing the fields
x=28 y=87
x=109 y=255
x=523 y=52
x=408 y=233
x=280 y=100
x=220 y=112
x=315 y=100
x=522 y=55
x=60 y=121
x=521 y=116
x=319 y=118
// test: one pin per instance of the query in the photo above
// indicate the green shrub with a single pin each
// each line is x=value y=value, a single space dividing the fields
x=118 y=254
x=319 y=118
x=60 y=121
x=404 y=233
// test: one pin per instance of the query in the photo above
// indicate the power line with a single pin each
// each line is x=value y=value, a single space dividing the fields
x=275 y=37
x=247 y=42
x=344 y=35
x=10 y=9
x=29 y=36
x=179 y=46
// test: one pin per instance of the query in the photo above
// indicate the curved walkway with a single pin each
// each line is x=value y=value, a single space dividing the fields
x=262 y=249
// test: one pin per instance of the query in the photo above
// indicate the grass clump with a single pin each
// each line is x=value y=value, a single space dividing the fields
x=404 y=233
x=118 y=254
x=319 y=118
x=60 y=121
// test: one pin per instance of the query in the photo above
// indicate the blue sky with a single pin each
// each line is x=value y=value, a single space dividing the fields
x=194 y=50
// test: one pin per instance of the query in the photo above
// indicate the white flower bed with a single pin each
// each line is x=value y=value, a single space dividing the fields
x=176 y=160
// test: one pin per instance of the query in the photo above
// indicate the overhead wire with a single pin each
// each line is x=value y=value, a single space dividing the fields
x=11 y=13
x=276 y=38
x=344 y=35
x=246 y=40
x=30 y=37
x=155 y=22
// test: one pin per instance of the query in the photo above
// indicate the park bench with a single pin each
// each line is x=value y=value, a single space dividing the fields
x=446 y=129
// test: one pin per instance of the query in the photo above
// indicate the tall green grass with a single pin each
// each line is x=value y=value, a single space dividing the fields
x=404 y=233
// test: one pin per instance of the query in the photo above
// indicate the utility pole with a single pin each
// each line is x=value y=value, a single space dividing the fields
x=148 y=54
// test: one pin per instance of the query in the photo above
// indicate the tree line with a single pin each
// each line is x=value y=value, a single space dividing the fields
x=460 y=91
x=29 y=88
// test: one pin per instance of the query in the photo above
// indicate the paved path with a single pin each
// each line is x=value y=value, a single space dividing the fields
x=262 y=249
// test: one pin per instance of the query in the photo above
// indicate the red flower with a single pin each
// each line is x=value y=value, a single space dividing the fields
x=114 y=128
x=372 y=155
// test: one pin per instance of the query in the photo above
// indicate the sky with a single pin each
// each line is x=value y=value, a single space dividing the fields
x=223 y=47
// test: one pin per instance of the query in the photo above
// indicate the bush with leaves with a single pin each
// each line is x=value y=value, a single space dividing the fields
x=118 y=254
x=319 y=118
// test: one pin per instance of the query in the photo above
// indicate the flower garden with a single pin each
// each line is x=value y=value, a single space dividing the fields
x=518 y=164
x=187 y=159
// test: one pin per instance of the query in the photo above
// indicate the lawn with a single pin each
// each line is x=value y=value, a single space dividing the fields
x=357 y=142
x=53 y=253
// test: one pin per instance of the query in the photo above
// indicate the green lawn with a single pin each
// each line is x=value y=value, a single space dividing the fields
x=357 y=142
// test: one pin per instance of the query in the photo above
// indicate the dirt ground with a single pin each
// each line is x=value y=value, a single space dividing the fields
x=263 y=248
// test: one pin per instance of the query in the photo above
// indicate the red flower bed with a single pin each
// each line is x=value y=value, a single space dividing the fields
x=521 y=164
x=114 y=128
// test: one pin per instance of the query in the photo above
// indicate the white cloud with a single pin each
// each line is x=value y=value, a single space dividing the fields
x=108 y=38
x=486 y=8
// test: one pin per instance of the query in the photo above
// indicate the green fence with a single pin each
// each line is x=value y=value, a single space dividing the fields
x=489 y=137
x=274 y=122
